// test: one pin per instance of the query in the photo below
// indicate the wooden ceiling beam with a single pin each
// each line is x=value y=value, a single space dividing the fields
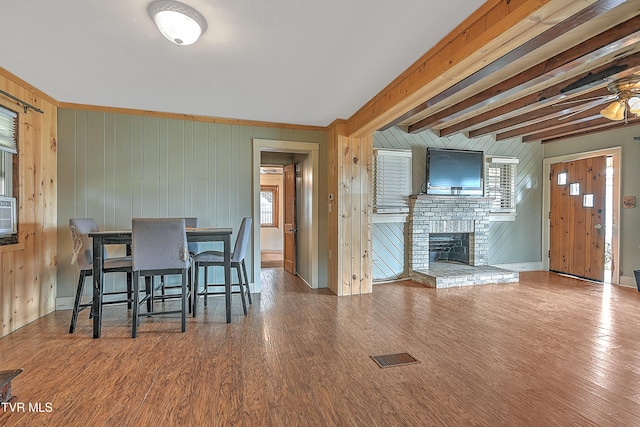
x=603 y=128
x=554 y=123
x=589 y=12
x=484 y=31
x=552 y=94
x=536 y=115
x=571 y=130
x=596 y=47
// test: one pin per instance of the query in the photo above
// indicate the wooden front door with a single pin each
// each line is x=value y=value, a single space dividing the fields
x=290 y=218
x=577 y=217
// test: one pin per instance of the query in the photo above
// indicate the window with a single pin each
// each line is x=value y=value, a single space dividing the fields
x=8 y=177
x=8 y=148
x=562 y=178
x=574 y=189
x=269 y=206
x=500 y=184
x=391 y=180
x=587 y=201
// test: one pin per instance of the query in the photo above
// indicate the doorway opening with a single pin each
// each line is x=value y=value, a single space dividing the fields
x=271 y=215
x=306 y=156
x=608 y=228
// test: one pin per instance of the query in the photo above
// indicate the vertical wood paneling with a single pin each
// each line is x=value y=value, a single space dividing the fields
x=199 y=168
x=350 y=177
x=163 y=160
x=505 y=238
x=160 y=167
x=137 y=175
x=187 y=181
x=175 y=168
x=223 y=174
x=28 y=281
x=109 y=165
x=124 y=170
x=345 y=251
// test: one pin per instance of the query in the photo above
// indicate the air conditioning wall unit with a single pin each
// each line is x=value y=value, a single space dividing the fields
x=8 y=223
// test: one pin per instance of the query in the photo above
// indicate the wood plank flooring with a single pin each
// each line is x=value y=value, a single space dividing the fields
x=271 y=259
x=548 y=350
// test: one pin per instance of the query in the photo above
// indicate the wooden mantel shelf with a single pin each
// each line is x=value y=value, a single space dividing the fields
x=451 y=197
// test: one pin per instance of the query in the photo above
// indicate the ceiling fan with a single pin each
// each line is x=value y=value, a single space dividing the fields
x=627 y=98
x=625 y=94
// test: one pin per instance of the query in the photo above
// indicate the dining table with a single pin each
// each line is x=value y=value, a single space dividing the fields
x=123 y=237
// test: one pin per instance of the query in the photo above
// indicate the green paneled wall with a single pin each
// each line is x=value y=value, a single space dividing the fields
x=114 y=167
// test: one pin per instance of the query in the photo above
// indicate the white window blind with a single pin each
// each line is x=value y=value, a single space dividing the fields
x=8 y=131
x=500 y=184
x=391 y=180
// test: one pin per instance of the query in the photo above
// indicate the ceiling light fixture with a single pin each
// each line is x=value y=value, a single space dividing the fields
x=177 y=21
x=627 y=90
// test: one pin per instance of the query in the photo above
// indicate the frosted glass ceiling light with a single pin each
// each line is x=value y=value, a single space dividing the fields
x=634 y=105
x=177 y=21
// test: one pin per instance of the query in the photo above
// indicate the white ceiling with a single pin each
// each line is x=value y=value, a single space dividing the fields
x=283 y=61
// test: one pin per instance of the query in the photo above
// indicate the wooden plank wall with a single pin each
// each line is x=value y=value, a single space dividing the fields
x=28 y=278
x=350 y=211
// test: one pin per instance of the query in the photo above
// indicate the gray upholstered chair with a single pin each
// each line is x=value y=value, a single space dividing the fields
x=216 y=259
x=189 y=222
x=83 y=257
x=159 y=247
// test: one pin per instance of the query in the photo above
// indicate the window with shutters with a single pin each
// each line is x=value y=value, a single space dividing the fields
x=391 y=181
x=500 y=184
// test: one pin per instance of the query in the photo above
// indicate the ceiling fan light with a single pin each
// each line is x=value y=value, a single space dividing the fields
x=178 y=22
x=634 y=105
x=615 y=111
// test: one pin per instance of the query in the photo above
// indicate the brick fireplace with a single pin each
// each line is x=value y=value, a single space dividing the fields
x=451 y=216
x=448 y=214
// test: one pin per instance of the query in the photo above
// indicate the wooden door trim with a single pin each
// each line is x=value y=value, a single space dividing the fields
x=615 y=152
x=289 y=221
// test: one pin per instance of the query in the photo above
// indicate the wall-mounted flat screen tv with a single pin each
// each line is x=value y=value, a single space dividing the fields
x=454 y=172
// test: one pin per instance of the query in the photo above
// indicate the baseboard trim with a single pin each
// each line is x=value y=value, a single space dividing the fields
x=521 y=266
x=628 y=281
x=64 y=303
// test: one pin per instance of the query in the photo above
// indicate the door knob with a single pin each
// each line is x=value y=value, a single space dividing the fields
x=598 y=226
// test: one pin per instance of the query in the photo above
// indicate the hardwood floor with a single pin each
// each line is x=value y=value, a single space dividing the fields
x=271 y=259
x=550 y=350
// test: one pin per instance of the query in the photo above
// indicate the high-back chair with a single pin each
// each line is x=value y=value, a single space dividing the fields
x=189 y=222
x=216 y=259
x=159 y=247
x=83 y=257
